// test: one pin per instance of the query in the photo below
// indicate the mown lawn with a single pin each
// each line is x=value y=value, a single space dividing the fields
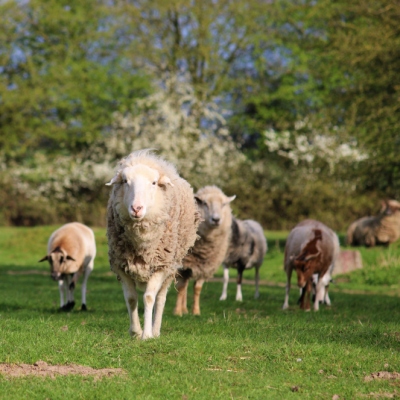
x=248 y=350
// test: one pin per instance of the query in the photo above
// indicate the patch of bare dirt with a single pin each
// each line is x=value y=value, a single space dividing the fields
x=382 y=375
x=381 y=395
x=41 y=368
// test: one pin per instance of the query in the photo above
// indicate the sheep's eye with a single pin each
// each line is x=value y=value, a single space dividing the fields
x=124 y=181
x=61 y=260
x=154 y=183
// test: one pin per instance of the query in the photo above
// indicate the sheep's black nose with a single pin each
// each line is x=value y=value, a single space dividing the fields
x=215 y=219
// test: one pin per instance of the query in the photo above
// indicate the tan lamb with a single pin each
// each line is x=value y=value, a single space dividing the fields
x=152 y=219
x=210 y=248
x=381 y=229
x=71 y=250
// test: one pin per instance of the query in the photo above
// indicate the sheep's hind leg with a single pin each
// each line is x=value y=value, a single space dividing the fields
x=181 y=287
x=159 y=306
x=198 y=285
x=152 y=288
x=286 y=302
x=224 y=294
x=131 y=300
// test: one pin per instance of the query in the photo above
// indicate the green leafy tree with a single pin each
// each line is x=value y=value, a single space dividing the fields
x=61 y=75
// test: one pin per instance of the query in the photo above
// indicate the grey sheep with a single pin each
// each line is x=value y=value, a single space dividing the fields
x=247 y=249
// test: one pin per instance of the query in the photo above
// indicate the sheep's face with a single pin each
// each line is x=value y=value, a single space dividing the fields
x=59 y=263
x=140 y=191
x=305 y=266
x=214 y=208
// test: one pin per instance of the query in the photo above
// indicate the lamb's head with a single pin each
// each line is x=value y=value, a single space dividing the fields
x=307 y=262
x=214 y=207
x=59 y=262
x=139 y=189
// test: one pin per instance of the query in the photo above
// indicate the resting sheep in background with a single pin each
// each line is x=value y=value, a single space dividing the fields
x=382 y=229
x=71 y=251
x=152 y=220
x=246 y=250
x=311 y=248
x=210 y=248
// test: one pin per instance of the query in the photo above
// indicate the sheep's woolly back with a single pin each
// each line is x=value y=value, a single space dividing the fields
x=139 y=248
x=247 y=246
x=210 y=248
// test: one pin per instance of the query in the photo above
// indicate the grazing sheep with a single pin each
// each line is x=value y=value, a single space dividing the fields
x=246 y=250
x=382 y=229
x=311 y=248
x=71 y=251
x=152 y=220
x=210 y=248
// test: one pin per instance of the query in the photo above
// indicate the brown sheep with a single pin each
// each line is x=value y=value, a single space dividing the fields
x=311 y=248
x=210 y=248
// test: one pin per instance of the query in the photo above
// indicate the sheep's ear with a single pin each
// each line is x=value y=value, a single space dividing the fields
x=44 y=259
x=230 y=199
x=199 y=201
x=311 y=256
x=70 y=258
x=116 y=179
x=164 y=181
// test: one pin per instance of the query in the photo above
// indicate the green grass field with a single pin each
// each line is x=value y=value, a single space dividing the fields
x=248 y=350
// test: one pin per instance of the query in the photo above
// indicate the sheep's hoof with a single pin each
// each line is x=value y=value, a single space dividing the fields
x=178 y=313
x=196 y=312
x=83 y=308
x=68 y=307
x=185 y=311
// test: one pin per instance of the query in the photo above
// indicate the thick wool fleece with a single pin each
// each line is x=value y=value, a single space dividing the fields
x=210 y=248
x=141 y=248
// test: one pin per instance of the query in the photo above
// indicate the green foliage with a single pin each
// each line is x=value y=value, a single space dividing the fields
x=250 y=349
x=61 y=76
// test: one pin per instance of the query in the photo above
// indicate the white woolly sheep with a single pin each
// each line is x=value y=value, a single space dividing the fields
x=246 y=250
x=71 y=250
x=210 y=247
x=311 y=248
x=152 y=220
x=381 y=229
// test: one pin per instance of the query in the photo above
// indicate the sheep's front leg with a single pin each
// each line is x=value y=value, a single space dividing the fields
x=198 y=285
x=159 y=306
x=319 y=293
x=305 y=297
x=88 y=271
x=286 y=302
x=152 y=288
x=61 y=288
x=239 y=296
x=225 y=285
x=181 y=287
x=131 y=300
x=257 y=282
